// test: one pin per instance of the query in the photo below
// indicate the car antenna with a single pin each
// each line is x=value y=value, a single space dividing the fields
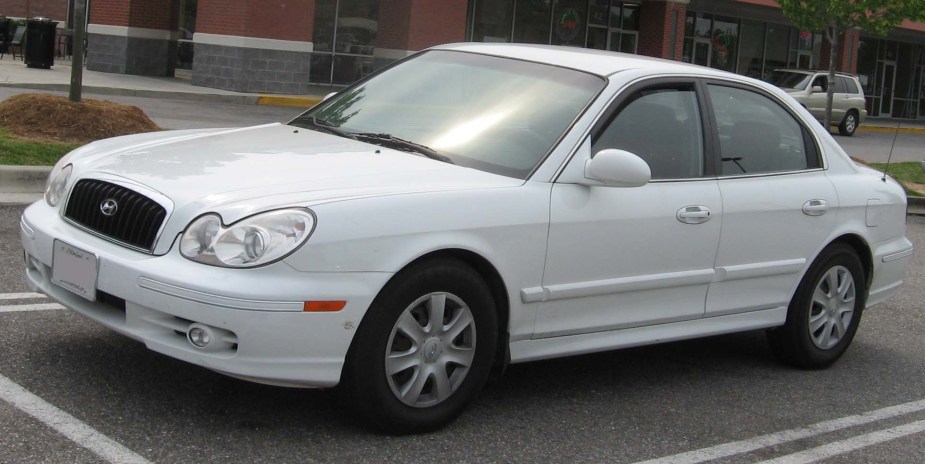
x=892 y=146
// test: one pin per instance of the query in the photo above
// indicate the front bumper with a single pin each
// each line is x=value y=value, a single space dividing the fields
x=256 y=314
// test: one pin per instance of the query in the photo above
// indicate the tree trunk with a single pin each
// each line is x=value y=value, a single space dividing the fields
x=830 y=90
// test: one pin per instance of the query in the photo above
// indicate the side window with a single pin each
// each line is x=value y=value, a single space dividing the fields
x=821 y=81
x=663 y=127
x=850 y=86
x=841 y=85
x=756 y=134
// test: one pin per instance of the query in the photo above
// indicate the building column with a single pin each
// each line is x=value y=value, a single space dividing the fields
x=132 y=36
x=407 y=26
x=254 y=45
x=847 y=59
x=662 y=31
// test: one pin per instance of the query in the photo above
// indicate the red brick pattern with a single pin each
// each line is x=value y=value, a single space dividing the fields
x=270 y=19
x=54 y=9
x=847 y=57
x=436 y=22
x=655 y=36
x=149 y=14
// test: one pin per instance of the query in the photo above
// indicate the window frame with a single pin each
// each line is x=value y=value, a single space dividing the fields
x=630 y=93
x=811 y=146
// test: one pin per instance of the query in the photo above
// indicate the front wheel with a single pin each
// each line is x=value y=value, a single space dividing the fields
x=849 y=124
x=424 y=349
x=825 y=311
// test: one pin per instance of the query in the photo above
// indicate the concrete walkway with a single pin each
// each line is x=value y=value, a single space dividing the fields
x=14 y=73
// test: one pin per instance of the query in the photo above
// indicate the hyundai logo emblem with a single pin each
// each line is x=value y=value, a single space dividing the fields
x=109 y=207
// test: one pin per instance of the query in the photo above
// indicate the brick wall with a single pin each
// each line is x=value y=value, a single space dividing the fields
x=269 y=19
x=655 y=36
x=149 y=14
x=434 y=23
x=847 y=58
x=54 y=9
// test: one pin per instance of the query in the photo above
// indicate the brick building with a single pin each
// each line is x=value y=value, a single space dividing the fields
x=284 y=46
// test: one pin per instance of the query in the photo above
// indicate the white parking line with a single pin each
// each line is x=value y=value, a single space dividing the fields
x=67 y=425
x=30 y=307
x=21 y=296
x=777 y=438
x=850 y=444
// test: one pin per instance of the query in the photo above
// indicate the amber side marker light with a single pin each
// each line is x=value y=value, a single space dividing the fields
x=323 y=306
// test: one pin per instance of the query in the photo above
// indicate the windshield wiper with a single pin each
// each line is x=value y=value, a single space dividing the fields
x=325 y=126
x=389 y=140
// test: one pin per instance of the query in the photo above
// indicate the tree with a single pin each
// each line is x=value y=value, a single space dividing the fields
x=834 y=17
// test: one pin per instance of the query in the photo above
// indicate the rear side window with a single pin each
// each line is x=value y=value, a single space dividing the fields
x=841 y=85
x=850 y=86
x=756 y=134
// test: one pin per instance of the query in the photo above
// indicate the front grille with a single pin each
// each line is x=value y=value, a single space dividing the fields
x=135 y=220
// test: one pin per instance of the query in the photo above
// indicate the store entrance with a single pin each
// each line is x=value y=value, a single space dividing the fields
x=887 y=82
x=702 y=49
x=185 y=29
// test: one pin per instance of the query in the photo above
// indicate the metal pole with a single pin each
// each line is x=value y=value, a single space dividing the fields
x=77 y=49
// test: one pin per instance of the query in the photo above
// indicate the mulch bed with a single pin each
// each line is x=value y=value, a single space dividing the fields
x=54 y=118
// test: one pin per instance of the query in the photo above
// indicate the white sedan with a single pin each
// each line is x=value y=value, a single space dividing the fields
x=472 y=206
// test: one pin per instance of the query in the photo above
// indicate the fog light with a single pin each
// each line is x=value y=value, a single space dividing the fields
x=199 y=336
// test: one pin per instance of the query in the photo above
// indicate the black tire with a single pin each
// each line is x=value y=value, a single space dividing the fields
x=849 y=124
x=796 y=342
x=375 y=395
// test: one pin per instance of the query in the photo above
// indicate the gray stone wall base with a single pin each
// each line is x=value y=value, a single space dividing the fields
x=253 y=70
x=131 y=55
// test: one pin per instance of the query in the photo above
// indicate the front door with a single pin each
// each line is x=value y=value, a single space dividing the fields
x=888 y=78
x=627 y=257
x=702 y=49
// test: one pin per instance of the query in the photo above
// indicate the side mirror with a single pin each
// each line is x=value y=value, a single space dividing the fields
x=618 y=168
x=817 y=89
x=329 y=96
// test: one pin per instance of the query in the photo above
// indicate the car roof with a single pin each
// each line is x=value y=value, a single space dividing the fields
x=600 y=62
x=816 y=71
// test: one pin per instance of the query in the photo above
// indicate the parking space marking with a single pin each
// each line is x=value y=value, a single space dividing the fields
x=66 y=424
x=30 y=307
x=786 y=436
x=851 y=444
x=21 y=296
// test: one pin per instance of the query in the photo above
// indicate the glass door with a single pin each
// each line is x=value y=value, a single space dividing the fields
x=886 y=88
x=702 y=49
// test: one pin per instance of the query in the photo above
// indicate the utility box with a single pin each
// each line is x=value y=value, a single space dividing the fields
x=40 y=43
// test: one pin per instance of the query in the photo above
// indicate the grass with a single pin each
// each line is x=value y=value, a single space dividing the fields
x=909 y=174
x=27 y=152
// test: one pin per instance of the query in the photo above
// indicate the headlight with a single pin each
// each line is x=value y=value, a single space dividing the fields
x=56 y=186
x=255 y=241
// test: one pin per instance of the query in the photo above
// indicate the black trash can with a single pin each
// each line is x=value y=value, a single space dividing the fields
x=40 y=43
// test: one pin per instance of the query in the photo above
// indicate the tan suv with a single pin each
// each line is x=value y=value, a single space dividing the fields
x=809 y=88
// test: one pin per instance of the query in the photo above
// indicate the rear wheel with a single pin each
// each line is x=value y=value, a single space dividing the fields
x=424 y=349
x=825 y=311
x=849 y=124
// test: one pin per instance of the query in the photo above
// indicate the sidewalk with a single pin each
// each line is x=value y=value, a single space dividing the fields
x=14 y=73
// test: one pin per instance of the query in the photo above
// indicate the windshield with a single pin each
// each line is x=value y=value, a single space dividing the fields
x=495 y=114
x=789 y=79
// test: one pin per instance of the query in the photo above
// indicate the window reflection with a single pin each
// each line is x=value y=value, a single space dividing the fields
x=344 y=40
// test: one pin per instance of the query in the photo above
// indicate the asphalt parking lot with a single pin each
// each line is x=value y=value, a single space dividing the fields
x=73 y=391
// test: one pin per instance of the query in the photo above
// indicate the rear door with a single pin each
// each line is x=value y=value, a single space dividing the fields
x=778 y=205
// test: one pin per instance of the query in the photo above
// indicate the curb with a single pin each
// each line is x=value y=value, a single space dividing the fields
x=24 y=179
x=270 y=100
x=891 y=130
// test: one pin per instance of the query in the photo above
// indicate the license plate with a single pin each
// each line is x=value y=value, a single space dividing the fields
x=75 y=270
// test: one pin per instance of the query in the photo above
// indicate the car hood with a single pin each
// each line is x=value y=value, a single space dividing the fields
x=239 y=172
x=212 y=168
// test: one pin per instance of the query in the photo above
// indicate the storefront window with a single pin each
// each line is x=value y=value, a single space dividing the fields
x=531 y=21
x=344 y=40
x=492 y=20
x=568 y=23
x=777 y=46
x=751 y=49
x=613 y=26
x=725 y=39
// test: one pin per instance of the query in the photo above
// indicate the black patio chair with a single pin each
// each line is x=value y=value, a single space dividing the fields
x=14 y=43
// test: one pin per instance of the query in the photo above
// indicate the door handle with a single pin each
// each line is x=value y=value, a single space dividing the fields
x=815 y=207
x=695 y=214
